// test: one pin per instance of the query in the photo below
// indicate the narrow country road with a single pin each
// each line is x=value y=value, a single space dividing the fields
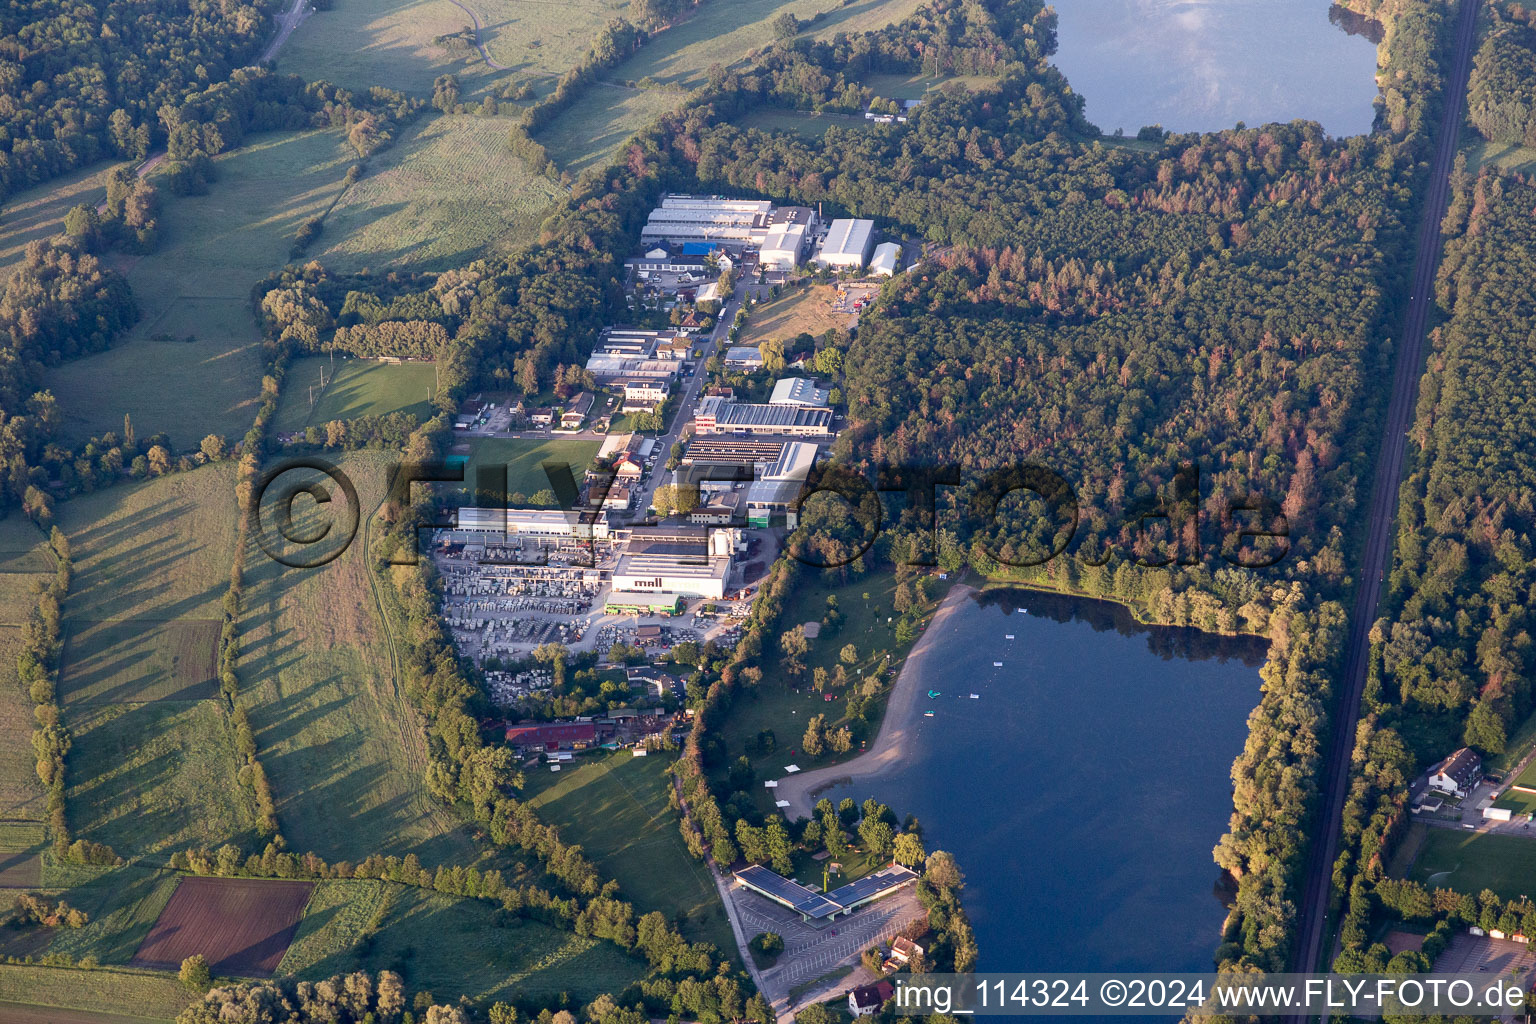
x=1311 y=921
x=286 y=23
x=479 y=42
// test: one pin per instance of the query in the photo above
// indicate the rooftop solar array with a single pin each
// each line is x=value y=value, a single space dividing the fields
x=790 y=893
x=871 y=885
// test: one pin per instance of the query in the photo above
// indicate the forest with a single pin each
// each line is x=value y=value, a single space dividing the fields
x=1501 y=96
x=84 y=82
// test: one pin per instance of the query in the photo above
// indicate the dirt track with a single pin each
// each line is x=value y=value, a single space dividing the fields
x=1311 y=932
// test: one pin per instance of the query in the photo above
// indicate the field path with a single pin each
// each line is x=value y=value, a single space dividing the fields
x=479 y=43
x=900 y=718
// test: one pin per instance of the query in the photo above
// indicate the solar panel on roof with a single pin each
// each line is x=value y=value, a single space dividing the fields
x=792 y=894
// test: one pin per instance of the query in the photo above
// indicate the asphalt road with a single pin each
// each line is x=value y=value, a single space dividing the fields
x=682 y=413
x=1312 y=919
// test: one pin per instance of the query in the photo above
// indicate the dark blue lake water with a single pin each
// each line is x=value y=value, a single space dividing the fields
x=1084 y=787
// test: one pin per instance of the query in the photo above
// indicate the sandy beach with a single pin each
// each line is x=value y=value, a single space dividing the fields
x=901 y=714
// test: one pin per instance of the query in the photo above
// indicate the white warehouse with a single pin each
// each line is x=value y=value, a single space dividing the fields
x=847 y=245
x=887 y=260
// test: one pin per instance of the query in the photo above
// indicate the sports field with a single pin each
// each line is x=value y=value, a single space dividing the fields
x=353 y=388
x=442 y=943
x=616 y=808
x=242 y=925
x=338 y=740
x=447 y=190
x=196 y=286
x=39 y=212
x=1470 y=862
x=524 y=460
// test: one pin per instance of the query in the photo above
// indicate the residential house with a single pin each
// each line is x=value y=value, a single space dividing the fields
x=865 y=1000
x=576 y=411
x=1457 y=774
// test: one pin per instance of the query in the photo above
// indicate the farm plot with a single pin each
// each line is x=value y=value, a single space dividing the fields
x=243 y=926
x=338 y=916
x=21 y=794
x=353 y=388
x=61 y=995
x=21 y=848
x=129 y=660
x=122 y=904
x=446 y=191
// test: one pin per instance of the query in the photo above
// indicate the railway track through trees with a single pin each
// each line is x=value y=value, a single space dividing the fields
x=1312 y=918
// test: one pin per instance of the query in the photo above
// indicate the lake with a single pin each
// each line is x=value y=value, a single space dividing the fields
x=1083 y=789
x=1204 y=65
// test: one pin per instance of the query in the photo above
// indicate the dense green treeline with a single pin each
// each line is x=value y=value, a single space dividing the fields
x=83 y=82
x=1501 y=95
x=1451 y=658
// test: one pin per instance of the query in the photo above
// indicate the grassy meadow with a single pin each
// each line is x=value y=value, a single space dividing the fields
x=446 y=944
x=196 y=335
x=447 y=190
x=338 y=740
x=680 y=57
x=24 y=560
x=122 y=903
x=338 y=916
x=362 y=43
x=150 y=776
x=1503 y=155
x=807 y=124
x=39 y=212
x=354 y=387
x=616 y=807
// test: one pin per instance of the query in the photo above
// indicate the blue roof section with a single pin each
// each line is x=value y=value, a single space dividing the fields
x=788 y=892
x=699 y=248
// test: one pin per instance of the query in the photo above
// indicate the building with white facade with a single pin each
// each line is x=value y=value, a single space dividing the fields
x=799 y=391
x=886 y=261
x=732 y=223
x=528 y=522
x=847 y=245
x=693 y=561
x=626 y=352
x=777 y=492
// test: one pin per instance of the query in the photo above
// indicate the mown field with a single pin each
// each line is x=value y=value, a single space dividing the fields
x=196 y=286
x=591 y=129
x=78 y=995
x=354 y=387
x=807 y=124
x=339 y=915
x=150 y=778
x=39 y=212
x=340 y=744
x=123 y=903
x=616 y=808
x=1503 y=155
x=446 y=191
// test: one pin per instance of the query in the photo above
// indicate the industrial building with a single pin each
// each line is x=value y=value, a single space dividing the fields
x=627 y=352
x=886 y=261
x=643 y=394
x=799 y=391
x=529 y=522
x=847 y=245
x=777 y=492
x=732 y=223
x=719 y=415
x=660 y=562
x=715 y=464
x=789 y=230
